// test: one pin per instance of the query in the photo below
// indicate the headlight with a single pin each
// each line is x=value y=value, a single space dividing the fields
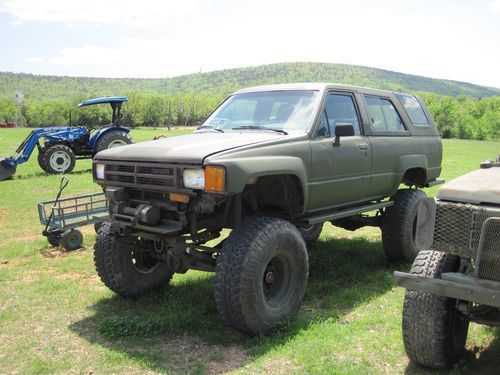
x=194 y=178
x=99 y=171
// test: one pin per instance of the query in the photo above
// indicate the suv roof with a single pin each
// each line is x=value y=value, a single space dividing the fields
x=313 y=86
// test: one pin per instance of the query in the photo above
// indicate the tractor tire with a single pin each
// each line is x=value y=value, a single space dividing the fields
x=113 y=139
x=41 y=162
x=59 y=159
x=72 y=239
x=434 y=331
x=310 y=233
x=261 y=275
x=399 y=226
x=125 y=271
x=98 y=226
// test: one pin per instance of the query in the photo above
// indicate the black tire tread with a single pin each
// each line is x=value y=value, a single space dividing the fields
x=51 y=150
x=239 y=253
x=107 y=261
x=397 y=227
x=109 y=137
x=425 y=315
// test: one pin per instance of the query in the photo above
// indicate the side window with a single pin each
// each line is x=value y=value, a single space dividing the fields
x=339 y=109
x=383 y=115
x=413 y=109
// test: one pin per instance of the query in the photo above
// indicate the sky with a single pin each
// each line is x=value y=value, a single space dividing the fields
x=458 y=40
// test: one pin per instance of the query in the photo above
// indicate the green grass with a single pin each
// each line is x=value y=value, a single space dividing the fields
x=57 y=317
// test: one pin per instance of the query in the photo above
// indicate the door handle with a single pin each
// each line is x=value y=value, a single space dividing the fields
x=363 y=146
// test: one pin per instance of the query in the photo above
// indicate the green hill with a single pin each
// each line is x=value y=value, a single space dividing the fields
x=221 y=83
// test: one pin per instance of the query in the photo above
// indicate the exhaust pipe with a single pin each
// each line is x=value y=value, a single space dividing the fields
x=7 y=170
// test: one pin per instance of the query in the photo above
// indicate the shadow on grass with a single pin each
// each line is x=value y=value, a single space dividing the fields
x=342 y=275
x=476 y=360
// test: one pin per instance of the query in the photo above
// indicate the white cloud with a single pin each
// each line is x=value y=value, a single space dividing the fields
x=34 y=60
x=135 y=13
x=94 y=55
x=494 y=5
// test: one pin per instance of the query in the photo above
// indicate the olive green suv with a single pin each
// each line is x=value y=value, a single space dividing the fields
x=271 y=164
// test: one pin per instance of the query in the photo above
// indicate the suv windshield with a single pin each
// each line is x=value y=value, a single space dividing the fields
x=269 y=110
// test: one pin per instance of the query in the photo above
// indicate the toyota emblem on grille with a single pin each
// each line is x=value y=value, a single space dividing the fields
x=160 y=171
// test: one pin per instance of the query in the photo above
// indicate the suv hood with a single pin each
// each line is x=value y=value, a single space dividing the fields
x=481 y=186
x=191 y=148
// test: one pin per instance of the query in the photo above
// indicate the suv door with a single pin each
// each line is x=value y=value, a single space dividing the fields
x=340 y=174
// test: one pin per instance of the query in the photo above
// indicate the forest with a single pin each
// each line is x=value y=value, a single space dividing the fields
x=461 y=110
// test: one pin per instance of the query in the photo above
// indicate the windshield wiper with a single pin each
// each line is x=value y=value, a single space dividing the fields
x=209 y=127
x=259 y=127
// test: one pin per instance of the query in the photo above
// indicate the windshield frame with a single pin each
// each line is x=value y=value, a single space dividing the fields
x=316 y=99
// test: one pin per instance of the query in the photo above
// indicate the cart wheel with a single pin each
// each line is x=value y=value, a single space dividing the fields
x=72 y=239
x=54 y=238
x=97 y=226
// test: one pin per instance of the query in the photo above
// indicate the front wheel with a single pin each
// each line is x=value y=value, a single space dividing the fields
x=59 y=159
x=127 y=270
x=434 y=331
x=72 y=239
x=399 y=225
x=261 y=275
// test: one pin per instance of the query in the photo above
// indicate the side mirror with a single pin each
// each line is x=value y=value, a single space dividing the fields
x=342 y=130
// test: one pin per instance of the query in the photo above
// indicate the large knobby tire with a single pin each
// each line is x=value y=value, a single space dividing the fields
x=434 y=331
x=310 y=233
x=114 y=138
x=399 y=226
x=261 y=275
x=59 y=159
x=124 y=270
x=41 y=162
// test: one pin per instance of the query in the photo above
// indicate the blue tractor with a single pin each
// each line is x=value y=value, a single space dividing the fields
x=59 y=147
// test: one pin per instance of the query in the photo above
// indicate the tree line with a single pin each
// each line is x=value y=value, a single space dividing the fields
x=456 y=117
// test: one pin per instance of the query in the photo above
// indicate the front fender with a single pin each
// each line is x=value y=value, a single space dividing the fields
x=241 y=170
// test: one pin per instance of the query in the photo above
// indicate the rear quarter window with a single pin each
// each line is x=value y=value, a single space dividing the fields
x=413 y=109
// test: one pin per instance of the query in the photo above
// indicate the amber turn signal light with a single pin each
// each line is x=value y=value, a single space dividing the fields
x=214 y=178
x=183 y=198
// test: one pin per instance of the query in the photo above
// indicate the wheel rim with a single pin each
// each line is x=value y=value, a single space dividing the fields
x=60 y=161
x=143 y=262
x=117 y=143
x=276 y=280
x=73 y=240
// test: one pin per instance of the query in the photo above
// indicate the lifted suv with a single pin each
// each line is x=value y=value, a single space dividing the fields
x=458 y=281
x=272 y=164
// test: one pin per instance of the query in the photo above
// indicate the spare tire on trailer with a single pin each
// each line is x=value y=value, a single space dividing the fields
x=113 y=138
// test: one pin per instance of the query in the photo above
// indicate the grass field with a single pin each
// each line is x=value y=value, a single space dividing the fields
x=57 y=317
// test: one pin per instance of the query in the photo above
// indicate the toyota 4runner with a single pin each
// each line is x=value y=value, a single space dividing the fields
x=272 y=164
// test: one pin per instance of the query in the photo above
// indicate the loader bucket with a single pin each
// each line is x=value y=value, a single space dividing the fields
x=6 y=169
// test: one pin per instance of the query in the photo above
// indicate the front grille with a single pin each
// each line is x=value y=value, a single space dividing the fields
x=488 y=261
x=145 y=176
x=458 y=227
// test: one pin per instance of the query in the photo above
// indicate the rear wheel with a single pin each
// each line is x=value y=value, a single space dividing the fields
x=310 y=233
x=124 y=269
x=114 y=138
x=399 y=225
x=59 y=159
x=434 y=331
x=261 y=275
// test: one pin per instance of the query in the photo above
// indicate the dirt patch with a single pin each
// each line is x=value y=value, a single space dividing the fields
x=280 y=365
x=58 y=251
x=217 y=359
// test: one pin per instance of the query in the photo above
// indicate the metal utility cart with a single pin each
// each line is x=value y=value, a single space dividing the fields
x=61 y=217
